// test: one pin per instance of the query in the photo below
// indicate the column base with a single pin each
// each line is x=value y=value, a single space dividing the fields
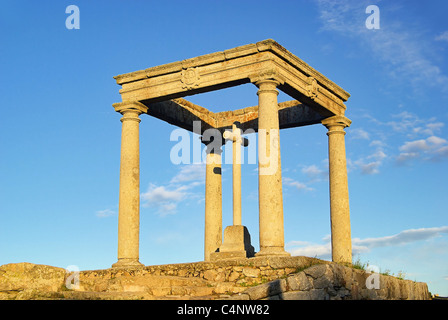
x=273 y=251
x=236 y=244
x=127 y=263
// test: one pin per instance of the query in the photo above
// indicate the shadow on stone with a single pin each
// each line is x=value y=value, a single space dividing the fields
x=276 y=289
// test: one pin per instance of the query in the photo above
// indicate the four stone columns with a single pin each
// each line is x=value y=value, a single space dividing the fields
x=129 y=197
x=269 y=184
x=341 y=245
x=269 y=170
x=213 y=199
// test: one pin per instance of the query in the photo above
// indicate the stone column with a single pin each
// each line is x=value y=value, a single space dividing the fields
x=213 y=199
x=269 y=169
x=129 y=196
x=341 y=244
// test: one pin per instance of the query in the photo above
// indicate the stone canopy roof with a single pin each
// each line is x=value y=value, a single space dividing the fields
x=163 y=88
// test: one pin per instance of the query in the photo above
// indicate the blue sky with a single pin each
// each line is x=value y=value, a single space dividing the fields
x=60 y=137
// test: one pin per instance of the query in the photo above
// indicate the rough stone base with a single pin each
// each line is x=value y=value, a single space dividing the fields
x=336 y=282
x=297 y=278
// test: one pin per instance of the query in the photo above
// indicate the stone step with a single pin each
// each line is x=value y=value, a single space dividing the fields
x=152 y=293
x=190 y=293
x=140 y=283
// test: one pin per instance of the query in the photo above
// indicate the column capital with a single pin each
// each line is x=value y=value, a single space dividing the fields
x=269 y=75
x=336 y=121
x=130 y=110
x=130 y=106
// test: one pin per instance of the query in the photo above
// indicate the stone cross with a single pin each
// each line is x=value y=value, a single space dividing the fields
x=238 y=141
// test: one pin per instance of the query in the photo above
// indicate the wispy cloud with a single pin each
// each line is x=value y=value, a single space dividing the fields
x=442 y=37
x=420 y=140
x=412 y=125
x=105 y=213
x=359 y=133
x=402 y=50
x=404 y=237
x=371 y=163
x=314 y=173
x=192 y=172
x=323 y=251
x=294 y=183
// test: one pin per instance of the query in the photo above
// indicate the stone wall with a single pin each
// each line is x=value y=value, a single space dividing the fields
x=248 y=279
x=336 y=282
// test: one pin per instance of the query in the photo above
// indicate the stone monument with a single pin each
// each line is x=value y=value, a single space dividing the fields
x=159 y=92
x=236 y=237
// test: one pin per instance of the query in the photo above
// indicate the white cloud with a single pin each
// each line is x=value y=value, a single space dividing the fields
x=406 y=122
x=162 y=198
x=323 y=251
x=161 y=194
x=314 y=173
x=105 y=213
x=406 y=156
x=359 y=133
x=429 y=128
x=412 y=125
x=165 y=198
x=442 y=37
x=370 y=168
x=436 y=141
x=378 y=155
x=414 y=146
x=403 y=237
x=371 y=163
x=296 y=184
x=191 y=172
x=311 y=170
x=432 y=148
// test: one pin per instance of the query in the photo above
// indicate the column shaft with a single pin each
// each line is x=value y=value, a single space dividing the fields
x=236 y=176
x=269 y=171
x=129 y=194
x=213 y=204
x=339 y=199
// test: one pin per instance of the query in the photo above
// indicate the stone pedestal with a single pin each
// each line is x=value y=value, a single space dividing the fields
x=236 y=244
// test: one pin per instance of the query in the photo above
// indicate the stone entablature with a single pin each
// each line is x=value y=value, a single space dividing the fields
x=234 y=67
